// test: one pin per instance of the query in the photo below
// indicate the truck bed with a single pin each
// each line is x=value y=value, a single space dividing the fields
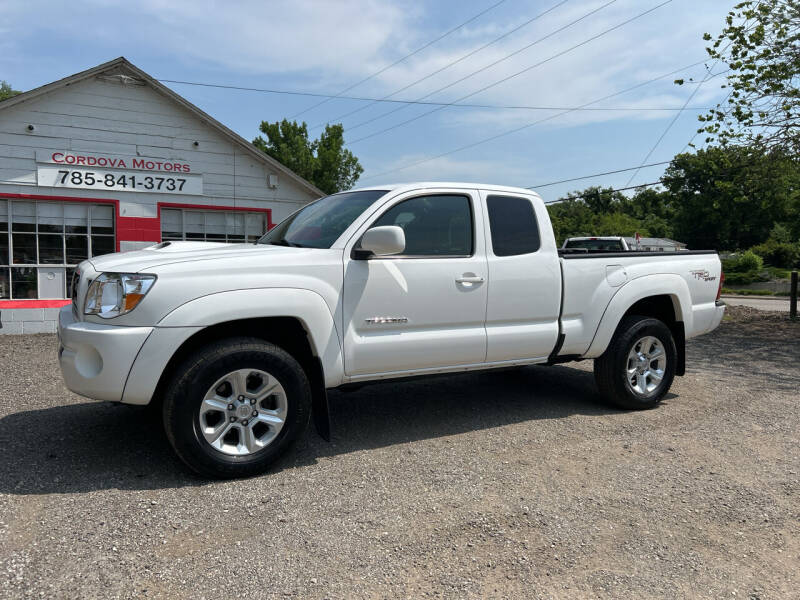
x=595 y=282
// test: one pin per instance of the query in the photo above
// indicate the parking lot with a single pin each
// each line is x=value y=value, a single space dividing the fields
x=508 y=484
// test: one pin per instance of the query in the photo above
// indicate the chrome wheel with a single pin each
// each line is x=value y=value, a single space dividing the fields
x=647 y=362
x=243 y=412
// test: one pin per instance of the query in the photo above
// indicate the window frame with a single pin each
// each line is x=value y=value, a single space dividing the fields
x=38 y=265
x=265 y=215
x=536 y=220
x=470 y=203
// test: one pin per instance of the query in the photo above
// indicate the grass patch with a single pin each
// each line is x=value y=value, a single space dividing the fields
x=778 y=272
x=748 y=292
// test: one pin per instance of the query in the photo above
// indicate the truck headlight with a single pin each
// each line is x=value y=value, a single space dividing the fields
x=114 y=294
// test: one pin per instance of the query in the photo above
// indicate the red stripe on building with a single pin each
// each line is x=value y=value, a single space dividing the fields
x=33 y=303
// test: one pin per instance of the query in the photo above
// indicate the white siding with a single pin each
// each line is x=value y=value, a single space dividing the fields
x=104 y=117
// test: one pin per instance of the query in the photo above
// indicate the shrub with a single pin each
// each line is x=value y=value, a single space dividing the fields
x=735 y=278
x=748 y=292
x=778 y=254
x=745 y=262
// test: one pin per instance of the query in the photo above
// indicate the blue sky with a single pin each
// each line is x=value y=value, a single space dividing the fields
x=326 y=46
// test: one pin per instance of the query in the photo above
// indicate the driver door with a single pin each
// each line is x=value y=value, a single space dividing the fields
x=425 y=308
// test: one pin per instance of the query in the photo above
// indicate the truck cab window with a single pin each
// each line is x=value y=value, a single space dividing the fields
x=439 y=225
x=513 y=226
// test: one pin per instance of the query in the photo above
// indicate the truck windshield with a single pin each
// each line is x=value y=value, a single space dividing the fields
x=595 y=244
x=321 y=223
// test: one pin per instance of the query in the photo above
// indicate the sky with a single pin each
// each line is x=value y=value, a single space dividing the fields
x=545 y=56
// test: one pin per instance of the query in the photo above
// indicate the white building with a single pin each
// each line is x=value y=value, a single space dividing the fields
x=111 y=160
x=655 y=244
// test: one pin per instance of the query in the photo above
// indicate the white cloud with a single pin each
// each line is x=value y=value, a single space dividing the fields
x=252 y=36
x=326 y=45
x=448 y=168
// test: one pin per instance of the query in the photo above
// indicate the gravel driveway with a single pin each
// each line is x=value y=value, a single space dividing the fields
x=771 y=304
x=514 y=484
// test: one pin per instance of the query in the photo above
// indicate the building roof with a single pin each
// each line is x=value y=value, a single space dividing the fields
x=649 y=241
x=123 y=67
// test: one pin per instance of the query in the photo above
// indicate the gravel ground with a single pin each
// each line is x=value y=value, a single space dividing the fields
x=769 y=303
x=507 y=484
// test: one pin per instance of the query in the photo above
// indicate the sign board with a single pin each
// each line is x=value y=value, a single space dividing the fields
x=118 y=180
x=112 y=161
x=67 y=169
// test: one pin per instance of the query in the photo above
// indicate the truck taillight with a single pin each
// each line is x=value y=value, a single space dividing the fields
x=721 y=281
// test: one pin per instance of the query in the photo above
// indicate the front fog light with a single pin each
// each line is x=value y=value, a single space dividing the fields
x=114 y=294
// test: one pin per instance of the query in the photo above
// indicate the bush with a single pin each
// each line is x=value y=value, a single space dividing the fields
x=778 y=254
x=735 y=278
x=748 y=292
x=745 y=262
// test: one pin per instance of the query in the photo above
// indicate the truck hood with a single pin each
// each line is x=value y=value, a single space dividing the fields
x=175 y=252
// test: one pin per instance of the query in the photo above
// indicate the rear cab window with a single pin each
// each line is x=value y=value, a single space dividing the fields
x=595 y=244
x=513 y=225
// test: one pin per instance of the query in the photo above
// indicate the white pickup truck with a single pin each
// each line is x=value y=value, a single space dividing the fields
x=240 y=342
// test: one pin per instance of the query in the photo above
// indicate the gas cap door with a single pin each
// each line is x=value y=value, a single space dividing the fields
x=616 y=275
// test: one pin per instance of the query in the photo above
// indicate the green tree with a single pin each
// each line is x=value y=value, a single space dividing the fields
x=325 y=162
x=731 y=197
x=6 y=91
x=761 y=45
x=617 y=223
x=570 y=218
x=603 y=211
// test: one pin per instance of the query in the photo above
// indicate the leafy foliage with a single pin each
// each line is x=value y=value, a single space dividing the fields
x=724 y=198
x=6 y=91
x=761 y=45
x=598 y=211
x=746 y=262
x=729 y=198
x=325 y=162
x=778 y=254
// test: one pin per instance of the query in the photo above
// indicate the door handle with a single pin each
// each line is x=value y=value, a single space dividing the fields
x=470 y=279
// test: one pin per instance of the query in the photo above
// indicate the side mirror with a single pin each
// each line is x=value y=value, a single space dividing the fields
x=384 y=241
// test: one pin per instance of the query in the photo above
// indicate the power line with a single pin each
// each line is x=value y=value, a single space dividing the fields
x=658 y=182
x=747 y=28
x=543 y=185
x=550 y=58
x=484 y=68
x=425 y=103
x=532 y=124
x=678 y=114
x=418 y=50
x=605 y=191
x=674 y=120
x=715 y=174
x=447 y=66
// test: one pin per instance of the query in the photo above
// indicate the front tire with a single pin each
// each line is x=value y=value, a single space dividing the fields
x=637 y=368
x=235 y=406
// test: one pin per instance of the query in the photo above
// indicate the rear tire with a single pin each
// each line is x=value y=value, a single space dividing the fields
x=235 y=407
x=637 y=368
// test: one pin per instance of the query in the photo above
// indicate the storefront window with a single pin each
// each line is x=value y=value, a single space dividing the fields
x=48 y=239
x=212 y=225
x=23 y=283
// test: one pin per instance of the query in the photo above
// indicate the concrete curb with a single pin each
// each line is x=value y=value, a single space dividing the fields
x=756 y=297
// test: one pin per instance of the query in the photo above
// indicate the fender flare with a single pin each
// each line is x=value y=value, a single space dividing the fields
x=664 y=284
x=304 y=305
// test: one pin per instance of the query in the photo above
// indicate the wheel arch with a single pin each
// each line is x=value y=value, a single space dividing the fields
x=288 y=333
x=664 y=297
x=297 y=320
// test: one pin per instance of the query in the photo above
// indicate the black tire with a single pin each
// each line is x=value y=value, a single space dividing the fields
x=610 y=368
x=184 y=395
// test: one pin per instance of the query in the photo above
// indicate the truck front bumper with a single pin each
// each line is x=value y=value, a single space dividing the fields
x=96 y=359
